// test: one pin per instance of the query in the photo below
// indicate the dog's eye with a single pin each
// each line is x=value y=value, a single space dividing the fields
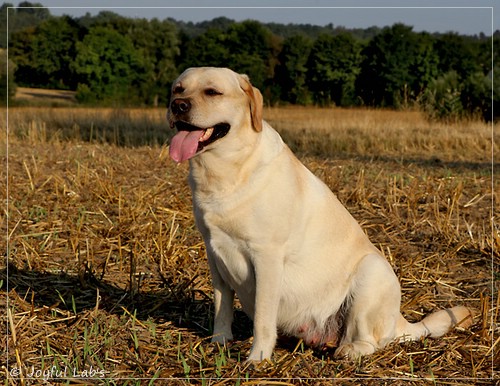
x=178 y=90
x=212 y=92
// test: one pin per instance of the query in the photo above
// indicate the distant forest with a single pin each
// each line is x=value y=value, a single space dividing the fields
x=109 y=59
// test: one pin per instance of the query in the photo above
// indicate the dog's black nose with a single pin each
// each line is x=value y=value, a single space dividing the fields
x=180 y=106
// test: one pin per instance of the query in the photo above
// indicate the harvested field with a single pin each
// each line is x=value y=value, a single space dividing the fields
x=45 y=97
x=105 y=279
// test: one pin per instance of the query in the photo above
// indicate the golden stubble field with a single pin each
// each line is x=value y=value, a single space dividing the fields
x=105 y=279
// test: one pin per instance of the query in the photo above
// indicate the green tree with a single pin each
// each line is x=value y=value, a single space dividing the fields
x=397 y=65
x=6 y=77
x=207 y=49
x=4 y=34
x=109 y=67
x=476 y=96
x=333 y=66
x=291 y=73
x=458 y=53
x=103 y=18
x=423 y=67
x=26 y=15
x=253 y=51
x=21 y=51
x=157 y=43
x=43 y=55
x=465 y=87
x=246 y=47
x=442 y=99
x=493 y=112
x=30 y=13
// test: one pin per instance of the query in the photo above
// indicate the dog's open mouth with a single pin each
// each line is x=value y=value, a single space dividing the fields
x=191 y=139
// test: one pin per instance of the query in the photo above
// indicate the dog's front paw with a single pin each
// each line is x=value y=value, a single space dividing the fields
x=257 y=355
x=354 y=350
x=257 y=364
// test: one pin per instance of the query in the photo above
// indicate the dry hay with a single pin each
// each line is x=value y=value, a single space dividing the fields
x=107 y=275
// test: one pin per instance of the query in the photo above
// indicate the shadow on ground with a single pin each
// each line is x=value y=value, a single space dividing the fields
x=181 y=305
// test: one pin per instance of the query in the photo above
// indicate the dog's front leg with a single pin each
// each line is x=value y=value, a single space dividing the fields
x=268 y=276
x=223 y=305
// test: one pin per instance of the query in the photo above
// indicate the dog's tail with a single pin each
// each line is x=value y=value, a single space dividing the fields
x=435 y=324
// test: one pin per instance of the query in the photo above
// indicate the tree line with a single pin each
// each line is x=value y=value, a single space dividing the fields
x=111 y=59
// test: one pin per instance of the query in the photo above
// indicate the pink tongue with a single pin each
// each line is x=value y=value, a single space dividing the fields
x=184 y=145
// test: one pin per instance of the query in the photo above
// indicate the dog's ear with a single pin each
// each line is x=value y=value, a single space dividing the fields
x=256 y=101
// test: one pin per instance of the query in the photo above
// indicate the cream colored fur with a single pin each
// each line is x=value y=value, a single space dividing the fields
x=278 y=237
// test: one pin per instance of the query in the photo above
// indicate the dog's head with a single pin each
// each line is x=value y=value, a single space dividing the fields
x=208 y=107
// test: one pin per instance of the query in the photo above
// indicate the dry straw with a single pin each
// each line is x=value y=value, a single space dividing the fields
x=108 y=280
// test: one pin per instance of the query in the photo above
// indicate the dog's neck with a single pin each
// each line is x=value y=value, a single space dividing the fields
x=220 y=173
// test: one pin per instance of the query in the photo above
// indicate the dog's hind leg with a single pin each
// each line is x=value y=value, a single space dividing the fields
x=374 y=308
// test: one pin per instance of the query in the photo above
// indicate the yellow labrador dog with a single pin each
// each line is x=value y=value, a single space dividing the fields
x=276 y=235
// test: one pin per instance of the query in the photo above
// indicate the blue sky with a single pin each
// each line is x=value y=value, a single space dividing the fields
x=462 y=16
